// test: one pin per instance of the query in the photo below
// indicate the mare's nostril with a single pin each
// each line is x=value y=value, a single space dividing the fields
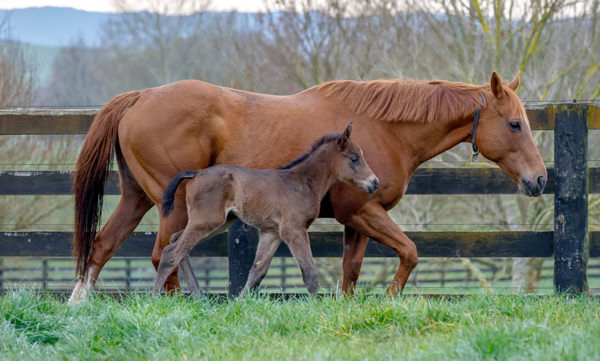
x=541 y=181
x=376 y=183
x=373 y=186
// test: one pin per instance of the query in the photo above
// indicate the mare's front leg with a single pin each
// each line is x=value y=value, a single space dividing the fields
x=373 y=221
x=299 y=244
x=268 y=244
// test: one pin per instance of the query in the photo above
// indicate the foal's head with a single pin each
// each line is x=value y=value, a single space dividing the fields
x=504 y=136
x=350 y=166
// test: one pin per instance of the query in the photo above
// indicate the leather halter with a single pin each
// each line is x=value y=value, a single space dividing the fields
x=473 y=137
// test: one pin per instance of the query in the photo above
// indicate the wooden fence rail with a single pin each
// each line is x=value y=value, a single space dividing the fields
x=570 y=181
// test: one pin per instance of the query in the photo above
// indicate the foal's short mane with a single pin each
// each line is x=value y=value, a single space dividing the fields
x=316 y=145
x=408 y=101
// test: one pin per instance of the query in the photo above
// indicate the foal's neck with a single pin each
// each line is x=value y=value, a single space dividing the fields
x=315 y=171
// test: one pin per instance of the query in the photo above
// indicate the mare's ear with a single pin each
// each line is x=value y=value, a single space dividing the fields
x=496 y=86
x=343 y=139
x=514 y=84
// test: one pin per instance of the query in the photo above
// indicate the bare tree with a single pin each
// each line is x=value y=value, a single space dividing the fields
x=307 y=40
x=18 y=72
x=162 y=43
x=79 y=77
x=570 y=65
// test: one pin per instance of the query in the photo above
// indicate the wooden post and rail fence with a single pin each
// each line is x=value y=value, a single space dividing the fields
x=571 y=180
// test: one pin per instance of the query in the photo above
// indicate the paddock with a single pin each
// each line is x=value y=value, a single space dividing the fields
x=570 y=181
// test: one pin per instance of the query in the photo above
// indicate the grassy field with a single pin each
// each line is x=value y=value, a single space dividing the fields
x=42 y=327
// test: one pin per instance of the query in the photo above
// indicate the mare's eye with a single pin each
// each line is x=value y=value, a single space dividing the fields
x=354 y=158
x=515 y=125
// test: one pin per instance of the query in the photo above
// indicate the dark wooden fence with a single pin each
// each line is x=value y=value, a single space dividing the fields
x=571 y=180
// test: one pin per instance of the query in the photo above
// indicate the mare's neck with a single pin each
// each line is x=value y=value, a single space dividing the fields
x=428 y=140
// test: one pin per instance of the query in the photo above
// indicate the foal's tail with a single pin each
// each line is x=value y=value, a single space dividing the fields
x=169 y=195
x=91 y=172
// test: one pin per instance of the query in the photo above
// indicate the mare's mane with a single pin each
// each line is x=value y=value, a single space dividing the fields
x=408 y=101
x=316 y=145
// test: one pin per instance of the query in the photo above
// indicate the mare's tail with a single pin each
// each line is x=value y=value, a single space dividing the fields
x=169 y=195
x=91 y=172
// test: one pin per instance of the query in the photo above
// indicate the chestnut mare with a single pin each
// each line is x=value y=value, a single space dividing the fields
x=156 y=133
x=281 y=203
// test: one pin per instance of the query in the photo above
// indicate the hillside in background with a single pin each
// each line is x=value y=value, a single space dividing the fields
x=54 y=27
x=44 y=31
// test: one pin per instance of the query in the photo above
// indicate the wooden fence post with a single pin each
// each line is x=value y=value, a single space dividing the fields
x=1 y=274
x=571 y=246
x=243 y=241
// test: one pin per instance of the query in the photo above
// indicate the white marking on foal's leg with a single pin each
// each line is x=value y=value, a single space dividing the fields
x=83 y=287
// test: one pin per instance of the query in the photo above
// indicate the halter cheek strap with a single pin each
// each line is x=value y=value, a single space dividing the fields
x=474 y=136
x=474 y=139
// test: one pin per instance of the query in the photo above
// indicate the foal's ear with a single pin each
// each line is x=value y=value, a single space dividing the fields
x=343 y=139
x=496 y=86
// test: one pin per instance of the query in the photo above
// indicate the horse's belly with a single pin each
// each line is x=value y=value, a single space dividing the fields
x=257 y=218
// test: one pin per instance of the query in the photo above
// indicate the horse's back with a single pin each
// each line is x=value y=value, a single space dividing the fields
x=171 y=128
x=192 y=124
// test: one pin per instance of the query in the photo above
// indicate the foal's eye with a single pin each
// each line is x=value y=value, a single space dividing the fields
x=514 y=125
x=354 y=158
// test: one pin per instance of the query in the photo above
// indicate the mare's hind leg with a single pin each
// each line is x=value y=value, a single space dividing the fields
x=267 y=246
x=129 y=212
x=297 y=241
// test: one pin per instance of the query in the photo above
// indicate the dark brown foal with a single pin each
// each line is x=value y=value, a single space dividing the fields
x=281 y=203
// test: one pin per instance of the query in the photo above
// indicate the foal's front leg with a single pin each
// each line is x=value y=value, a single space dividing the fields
x=297 y=241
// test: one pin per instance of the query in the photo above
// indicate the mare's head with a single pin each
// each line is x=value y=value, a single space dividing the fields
x=350 y=165
x=504 y=136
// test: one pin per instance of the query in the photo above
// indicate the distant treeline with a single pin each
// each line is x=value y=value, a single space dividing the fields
x=554 y=44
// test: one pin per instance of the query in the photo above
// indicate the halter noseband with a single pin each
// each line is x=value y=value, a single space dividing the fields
x=473 y=137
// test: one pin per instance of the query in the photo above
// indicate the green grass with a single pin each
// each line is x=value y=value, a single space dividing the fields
x=42 y=327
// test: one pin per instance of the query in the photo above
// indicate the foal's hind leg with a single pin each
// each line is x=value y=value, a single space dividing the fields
x=186 y=267
x=175 y=222
x=297 y=241
x=267 y=246
x=198 y=229
x=173 y=254
x=129 y=212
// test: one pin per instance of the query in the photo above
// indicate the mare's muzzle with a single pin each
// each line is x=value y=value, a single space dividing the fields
x=534 y=188
x=372 y=187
